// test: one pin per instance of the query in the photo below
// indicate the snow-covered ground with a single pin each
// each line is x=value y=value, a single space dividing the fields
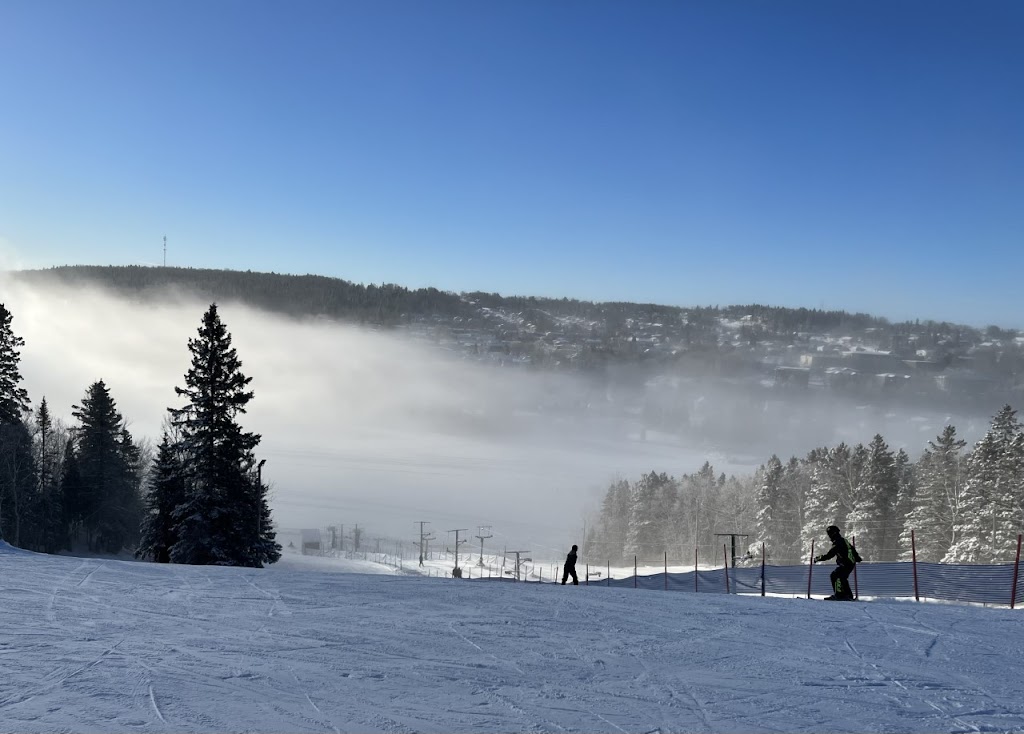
x=93 y=645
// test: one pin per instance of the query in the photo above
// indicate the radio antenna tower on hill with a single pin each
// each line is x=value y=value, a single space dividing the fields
x=165 y=251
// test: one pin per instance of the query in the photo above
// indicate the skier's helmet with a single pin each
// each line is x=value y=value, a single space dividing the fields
x=833 y=531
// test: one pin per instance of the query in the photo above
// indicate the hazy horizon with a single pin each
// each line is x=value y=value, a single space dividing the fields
x=379 y=429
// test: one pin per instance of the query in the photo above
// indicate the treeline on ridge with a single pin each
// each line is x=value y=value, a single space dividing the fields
x=92 y=485
x=390 y=304
x=962 y=506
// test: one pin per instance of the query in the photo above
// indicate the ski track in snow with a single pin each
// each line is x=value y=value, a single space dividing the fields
x=113 y=646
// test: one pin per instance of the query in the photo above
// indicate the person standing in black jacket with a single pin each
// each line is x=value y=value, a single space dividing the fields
x=570 y=568
x=846 y=558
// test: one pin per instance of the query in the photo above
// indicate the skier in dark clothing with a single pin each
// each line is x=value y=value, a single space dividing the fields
x=570 y=568
x=846 y=558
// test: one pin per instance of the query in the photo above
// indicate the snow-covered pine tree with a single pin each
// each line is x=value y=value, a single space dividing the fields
x=166 y=492
x=224 y=518
x=871 y=517
x=795 y=482
x=770 y=506
x=988 y=525
x=834 y=478
x=705 y=491
x=610 y=540
x=642 y=536
x=935 y=508
x=666 y=497
x=906 y=487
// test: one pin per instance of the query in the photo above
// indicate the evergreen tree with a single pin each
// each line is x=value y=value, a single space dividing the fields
x=936 y=505
x=48 y=514
x=706 y=507
x=614 y=522
x=17 y=482
x=74 y=495
x=988 y=526
x=13 y=398
x=795 y=481
x=224 y=518
x=642 y=536
x=834 y=479
x=17 y=469
x=906 y=484
x=166 y=492
x=870 y=519
x=109 y=501
x=770 y=502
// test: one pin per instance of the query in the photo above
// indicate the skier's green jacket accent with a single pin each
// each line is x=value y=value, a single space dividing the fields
x=844 y=553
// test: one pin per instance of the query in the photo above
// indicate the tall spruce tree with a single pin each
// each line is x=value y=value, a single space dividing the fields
x=17 y=466
x=109 y=504
x=835 y=476
x=935 y=509
x=48 y=516
x=875 y=501
x=166 y=493
x=643 y=536
x=770 y=502
x=224 y=518
x=990 y=519
x=13 y=397
x=74 y=496
x=614 y=522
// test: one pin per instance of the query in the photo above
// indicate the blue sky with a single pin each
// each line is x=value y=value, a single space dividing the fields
x=864 y=156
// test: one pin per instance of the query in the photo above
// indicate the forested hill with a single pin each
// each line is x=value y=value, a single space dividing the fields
x=294 y=295
x=389 y=304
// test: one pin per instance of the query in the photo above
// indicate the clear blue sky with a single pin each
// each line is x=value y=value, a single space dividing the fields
x=866 y=156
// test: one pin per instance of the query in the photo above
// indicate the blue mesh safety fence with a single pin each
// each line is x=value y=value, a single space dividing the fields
x=982 y=584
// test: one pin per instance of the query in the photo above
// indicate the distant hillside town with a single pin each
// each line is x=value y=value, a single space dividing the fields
x=653 y=351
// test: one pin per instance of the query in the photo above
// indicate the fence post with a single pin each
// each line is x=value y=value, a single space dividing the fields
x=666 y=570
x=1016 y=568
x=856 y=587
x=810 y=569
x=634 y=572
x=587 y=583
x=694 y=569
x=762 y=568
x=913 y=557
x=725 y=557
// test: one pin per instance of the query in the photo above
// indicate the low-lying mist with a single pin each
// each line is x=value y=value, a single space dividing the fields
x=383 y=429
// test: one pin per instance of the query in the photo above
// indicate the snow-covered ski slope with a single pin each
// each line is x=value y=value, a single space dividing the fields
x=90 y=645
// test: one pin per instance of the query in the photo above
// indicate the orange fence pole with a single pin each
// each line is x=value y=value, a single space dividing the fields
x=913 y=557
x=1016 y=568
x=856 y=588
x=810 y=569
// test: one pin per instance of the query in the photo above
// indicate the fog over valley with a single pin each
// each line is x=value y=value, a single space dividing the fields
x=386 y=427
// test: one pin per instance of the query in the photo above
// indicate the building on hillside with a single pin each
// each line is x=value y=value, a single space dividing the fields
x=792 y=376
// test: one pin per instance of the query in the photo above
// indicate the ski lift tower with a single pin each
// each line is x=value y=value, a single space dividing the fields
x=518 y=560
x=733 y=537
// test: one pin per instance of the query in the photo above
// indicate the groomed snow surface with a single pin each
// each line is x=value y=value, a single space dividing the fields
x=92 y=645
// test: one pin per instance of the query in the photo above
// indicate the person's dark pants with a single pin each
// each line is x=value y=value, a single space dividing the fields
x=841 y=582
x=570 y=571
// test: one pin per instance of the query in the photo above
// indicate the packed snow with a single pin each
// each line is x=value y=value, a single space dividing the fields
x=319 y=645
